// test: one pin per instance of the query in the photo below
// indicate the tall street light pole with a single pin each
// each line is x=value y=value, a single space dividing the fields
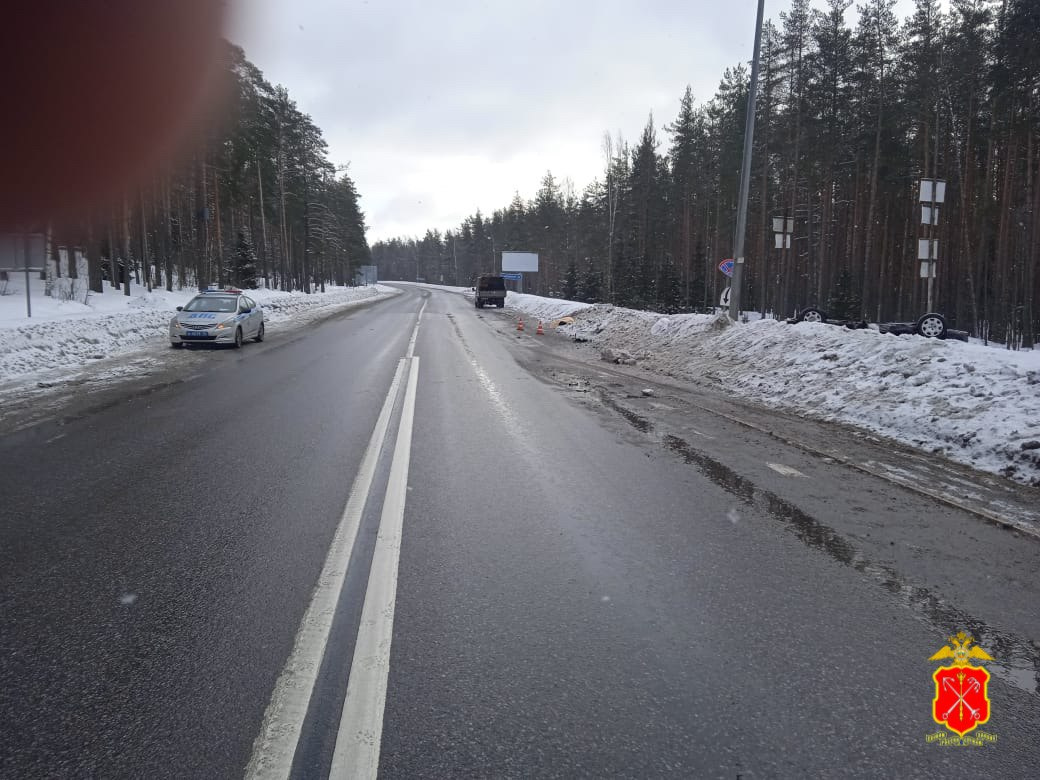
x=745 y=176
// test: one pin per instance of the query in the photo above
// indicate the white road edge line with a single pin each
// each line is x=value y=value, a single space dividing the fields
x=361 y=724
x=275 y=747
x=787 y=471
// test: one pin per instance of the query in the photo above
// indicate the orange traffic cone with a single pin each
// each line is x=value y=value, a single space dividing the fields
x=539 y=332
x=520 y=324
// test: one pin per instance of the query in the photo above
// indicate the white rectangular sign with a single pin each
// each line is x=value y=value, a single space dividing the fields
x=922 y=249
x=926 y=190
x=783 y=240
x=525 y=262
x=929 y=216
x=12 y=251
x=928 y=269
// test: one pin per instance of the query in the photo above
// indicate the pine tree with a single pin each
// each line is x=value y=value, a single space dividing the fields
x=844 y=303
x=547 y=229
x=828 y=106
x=685 y=158
x=570 y=281
x=243 y=272
x=874 y=45
x=590 y=283
x=847 y=125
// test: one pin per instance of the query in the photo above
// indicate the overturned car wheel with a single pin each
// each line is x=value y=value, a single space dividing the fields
x=931 y=326
x=811 y=315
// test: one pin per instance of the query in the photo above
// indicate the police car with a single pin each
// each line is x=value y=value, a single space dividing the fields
x=226 y=316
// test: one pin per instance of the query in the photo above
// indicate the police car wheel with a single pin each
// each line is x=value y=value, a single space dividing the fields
x=177 y=344
x=238 y=338
x=259 y=334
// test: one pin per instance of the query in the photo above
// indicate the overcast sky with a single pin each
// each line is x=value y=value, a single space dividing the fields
x=446 y=106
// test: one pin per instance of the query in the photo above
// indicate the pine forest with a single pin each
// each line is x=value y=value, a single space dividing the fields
x=251 y=201
x=854 y=108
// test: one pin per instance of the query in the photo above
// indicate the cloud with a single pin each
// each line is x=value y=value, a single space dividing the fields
x=441 y=108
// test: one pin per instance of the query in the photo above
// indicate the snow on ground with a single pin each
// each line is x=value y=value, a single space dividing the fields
x=539 y=308
x=974 y=404
x=444 y=287
x=534 y=306
x=70 y=334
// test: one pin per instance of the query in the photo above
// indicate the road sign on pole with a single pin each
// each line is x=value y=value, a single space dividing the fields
x=927 y=249
x=513 y=277
x=726 y=266
x=933 y=191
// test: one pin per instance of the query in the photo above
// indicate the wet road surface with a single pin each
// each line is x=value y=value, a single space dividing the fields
x=434 y=547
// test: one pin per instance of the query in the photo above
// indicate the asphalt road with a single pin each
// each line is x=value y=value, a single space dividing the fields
x=441 y=548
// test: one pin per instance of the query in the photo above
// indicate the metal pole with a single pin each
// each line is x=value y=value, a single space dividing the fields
x=933 y=218
x=28 y=299
x=455 y=258
x=931 y=248
x=745 y=176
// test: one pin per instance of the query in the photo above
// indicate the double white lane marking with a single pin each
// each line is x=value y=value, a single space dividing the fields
x=360 y=732
x=361 y=724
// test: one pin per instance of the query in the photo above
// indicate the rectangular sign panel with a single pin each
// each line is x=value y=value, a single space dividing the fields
x=512 y=277
x=928 y=270
x=526 y=262
x=12 y=251
x=927 y=187
x=922 y=249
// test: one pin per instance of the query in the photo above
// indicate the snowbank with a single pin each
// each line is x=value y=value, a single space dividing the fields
x=539 y=308
x=974 y=404
x=70 y=334
x=535 y=306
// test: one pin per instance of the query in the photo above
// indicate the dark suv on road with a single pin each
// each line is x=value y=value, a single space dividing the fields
x=489 y=289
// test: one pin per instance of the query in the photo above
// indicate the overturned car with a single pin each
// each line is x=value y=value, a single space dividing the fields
x=930 y=325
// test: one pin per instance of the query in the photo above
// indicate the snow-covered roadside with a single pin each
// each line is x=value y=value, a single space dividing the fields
x=539 y=308
x=534 y=306
x=70 y=335
x=974 y=404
